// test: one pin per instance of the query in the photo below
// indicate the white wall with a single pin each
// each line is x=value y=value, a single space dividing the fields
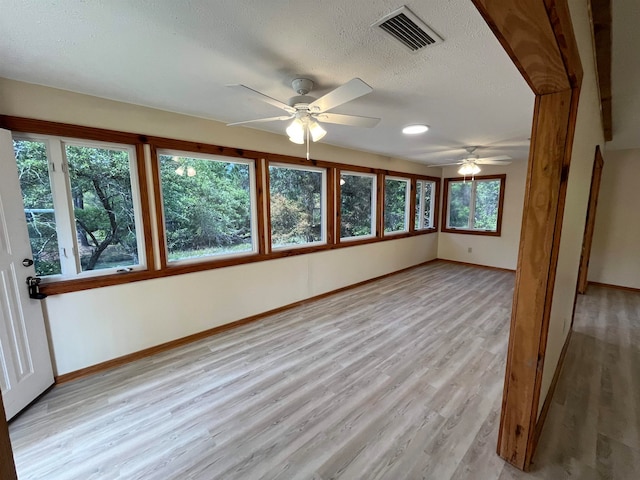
x=615 y=254
x=499 y=251
x=588 y=134
x=96 y=325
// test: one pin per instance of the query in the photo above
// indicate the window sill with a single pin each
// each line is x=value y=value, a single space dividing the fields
x=463 y=231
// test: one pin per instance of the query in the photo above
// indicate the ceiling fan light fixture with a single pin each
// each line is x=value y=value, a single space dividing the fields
x=468 y=169
x=316 y=131
x=415 y=129
x=296 y=131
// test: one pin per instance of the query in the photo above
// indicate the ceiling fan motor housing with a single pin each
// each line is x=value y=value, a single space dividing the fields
x=302 y=86
x=301 y=101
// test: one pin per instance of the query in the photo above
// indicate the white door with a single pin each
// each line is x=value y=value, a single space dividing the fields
x=25 y=362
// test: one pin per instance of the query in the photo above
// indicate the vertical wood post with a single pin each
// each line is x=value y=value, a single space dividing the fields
x=589 y=226
x=538 y=36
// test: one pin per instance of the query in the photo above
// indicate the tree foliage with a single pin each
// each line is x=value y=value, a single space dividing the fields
x=102 y=204
x=33 y=172
x=395 y=194
x=206 y=206
x=485 y=195
x=296 y=209
x=355 y=205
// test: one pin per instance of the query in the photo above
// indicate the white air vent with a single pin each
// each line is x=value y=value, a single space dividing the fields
x=408 y=29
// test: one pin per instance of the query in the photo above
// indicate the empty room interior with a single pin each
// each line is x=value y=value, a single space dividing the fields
x=319 y=240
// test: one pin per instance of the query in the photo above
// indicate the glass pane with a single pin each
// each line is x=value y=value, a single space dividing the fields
x=395 y=201
x=418 y=204
x=486 y=207
x=356 y=207
x=459 y=204
x=296 y=206
x=102 y=206
x=207 y=207
x=429 y=188
x=33 y=170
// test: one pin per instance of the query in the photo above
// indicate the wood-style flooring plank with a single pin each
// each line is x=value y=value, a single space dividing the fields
x=397 y=379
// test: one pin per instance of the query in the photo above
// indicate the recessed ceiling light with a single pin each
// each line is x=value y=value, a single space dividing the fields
x=415 y=129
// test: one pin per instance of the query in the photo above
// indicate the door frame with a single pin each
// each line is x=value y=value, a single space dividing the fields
x=7 y=464
x=589 y=226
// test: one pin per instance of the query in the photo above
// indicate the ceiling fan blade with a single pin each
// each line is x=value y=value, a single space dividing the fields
x=263 y=97
x=493 y=162
x=353 y=120
x=270 y=119
x=446 y=164
x=497 y=157
x=345 y=93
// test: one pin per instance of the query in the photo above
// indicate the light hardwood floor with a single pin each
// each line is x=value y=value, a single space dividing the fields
x=401 y=378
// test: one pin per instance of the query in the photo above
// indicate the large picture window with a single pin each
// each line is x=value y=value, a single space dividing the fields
x=81 y=204
x=297 y=198
x=425 y=202
x=396 y=205
x=474 y=206
x=208 y=203
x=357 y=205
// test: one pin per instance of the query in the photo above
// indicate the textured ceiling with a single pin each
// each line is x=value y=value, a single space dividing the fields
x=625 y=75
x=179 y=56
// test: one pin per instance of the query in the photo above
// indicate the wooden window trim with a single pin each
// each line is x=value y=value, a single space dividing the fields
x=328 y=205
x=463 y=231
x=261 y=159
x=255 y=163
x=76 y=132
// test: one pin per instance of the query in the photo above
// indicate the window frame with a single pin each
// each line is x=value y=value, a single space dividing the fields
x=407 y=204
x=471 y=231
x=434 y=204
x=253 y=207
x=325 y=236
x=148 y=175
x=374 y=209
x=64 y=212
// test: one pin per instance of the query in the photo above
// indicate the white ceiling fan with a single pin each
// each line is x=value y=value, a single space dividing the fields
x=469 y=163
x=308 y=112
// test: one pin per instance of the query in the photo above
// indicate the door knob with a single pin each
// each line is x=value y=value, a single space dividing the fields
x=27 y=262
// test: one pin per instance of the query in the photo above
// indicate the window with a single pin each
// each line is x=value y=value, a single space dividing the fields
x=357 y=205
x=396 y=205
x=209 y=206
x=81 y=204
x=297 y=205
x=474 y=206
x=425 y=200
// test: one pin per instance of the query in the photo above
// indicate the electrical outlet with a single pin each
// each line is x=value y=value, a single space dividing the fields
x=469 y=250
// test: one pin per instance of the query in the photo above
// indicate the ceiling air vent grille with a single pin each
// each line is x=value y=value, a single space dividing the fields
x=408 y=29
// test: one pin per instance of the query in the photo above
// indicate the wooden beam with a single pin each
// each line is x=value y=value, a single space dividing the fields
x=538 y=36
x=526 y=33
x=596 y=176
x=7 y=465
x=519 y=407
x=560 y=18
x=601 y=19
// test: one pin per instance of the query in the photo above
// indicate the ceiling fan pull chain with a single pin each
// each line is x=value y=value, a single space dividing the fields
x=307 y=131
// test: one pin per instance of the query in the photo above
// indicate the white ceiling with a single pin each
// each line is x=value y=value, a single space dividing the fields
x=179 y=56
x=625 y=75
